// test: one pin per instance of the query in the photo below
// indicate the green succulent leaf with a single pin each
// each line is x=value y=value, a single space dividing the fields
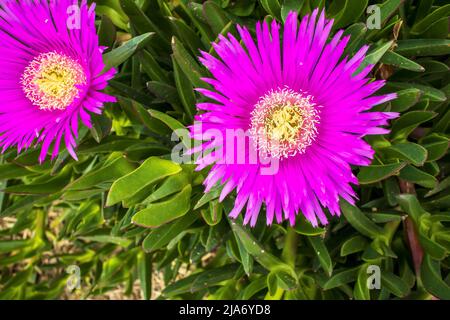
x=151 y=171
x=162 y=212
x=119 y=55
x=376 y=173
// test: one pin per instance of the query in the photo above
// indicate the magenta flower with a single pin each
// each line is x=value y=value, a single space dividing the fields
x=51 y=73
x=302 y=105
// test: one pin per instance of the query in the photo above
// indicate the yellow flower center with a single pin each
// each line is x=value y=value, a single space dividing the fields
x=51 y=81
x=284 y=123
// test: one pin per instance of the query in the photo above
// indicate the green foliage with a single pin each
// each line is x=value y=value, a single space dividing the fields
x=125 y=211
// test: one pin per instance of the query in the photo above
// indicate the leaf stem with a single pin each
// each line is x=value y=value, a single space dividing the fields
x=289 y=253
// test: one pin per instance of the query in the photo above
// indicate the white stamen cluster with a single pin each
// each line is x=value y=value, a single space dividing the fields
x=50 y=81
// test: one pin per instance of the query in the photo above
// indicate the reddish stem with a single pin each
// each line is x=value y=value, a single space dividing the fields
x=411 y=232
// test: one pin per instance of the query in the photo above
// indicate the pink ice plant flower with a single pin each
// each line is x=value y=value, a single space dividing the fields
x=303 y=104
x=52 y=73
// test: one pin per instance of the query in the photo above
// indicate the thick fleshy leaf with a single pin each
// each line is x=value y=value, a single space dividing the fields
x=119 y=55
x=432 y=278
x=322 y=254
x=353 y=245
x=423 y=47
x=406 y=99
x=151 y=171
x=160 y=237
x=376 y=173
x=160 y=213
x=187 y=63
x=411 y=152
x=394 y=59
x=116 y=169
x=360 y=221
x=404 y=125
x=415 y=175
